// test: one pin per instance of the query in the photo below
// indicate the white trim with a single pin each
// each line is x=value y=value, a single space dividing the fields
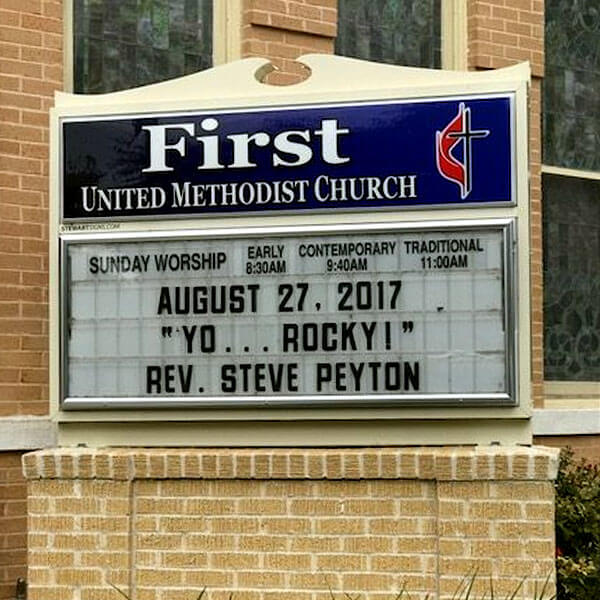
x=571 y=395
x=26 y=433
x=68 y=47
x=227 y=31
x=581 y=174
x=454 y=35
x=566 y=422
x=572 y=388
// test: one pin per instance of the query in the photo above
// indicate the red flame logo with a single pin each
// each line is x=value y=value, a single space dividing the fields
x=456 y=134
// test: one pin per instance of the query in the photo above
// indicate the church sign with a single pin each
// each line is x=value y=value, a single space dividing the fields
x=352 y=248
x=345 y=156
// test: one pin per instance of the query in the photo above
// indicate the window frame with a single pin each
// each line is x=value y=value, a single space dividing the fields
x=454 y=35
x=568 y=391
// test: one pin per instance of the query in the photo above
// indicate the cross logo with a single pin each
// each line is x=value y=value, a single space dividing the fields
x=456 y=134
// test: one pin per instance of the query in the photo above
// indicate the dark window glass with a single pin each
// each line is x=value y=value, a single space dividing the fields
x=572 y=84
x=401 y=32
x=571 y=278
x=121 y=44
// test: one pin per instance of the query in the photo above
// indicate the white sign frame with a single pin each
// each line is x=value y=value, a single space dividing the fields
x=506 y=226
x=333 y=79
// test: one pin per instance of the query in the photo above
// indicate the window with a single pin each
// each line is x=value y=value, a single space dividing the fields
x=571 y=192
x=571 y=278
x=120 y=44
x=403 y=32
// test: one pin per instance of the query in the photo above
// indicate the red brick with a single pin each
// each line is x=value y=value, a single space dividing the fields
x=267 y=6
x=287 y=22
x=51 y=40
x=53 y=10
x=10 y=18
x=9 y=147
x=24 y=326
x=8 y=50
x=20 y=36
x=41 y=55
x=329 y=16
x=304 y=11
x=36 y=184
x=265 y=34
x=38 y=408
x=39 y=23
x=323 y=3
x=35 y=278
x=19 y=393
x=13 y=293
x=9 y=342
x=53 y=73
x=254 y=48
x=35 y=312
x=9 y=309
x=309 y=42
x=23 y=6
x=23 y=165
x=36 y=86
x=20 y=100
x=9 y=375
x=36 y=375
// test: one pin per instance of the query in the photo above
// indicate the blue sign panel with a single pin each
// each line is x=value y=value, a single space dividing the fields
x=443 y=152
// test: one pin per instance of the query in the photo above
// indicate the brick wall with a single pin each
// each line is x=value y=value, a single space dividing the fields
x=282 y=30
x=502 y=33
x=13 y=521
x=30 y=71
x=584 y=446
x=270 y=524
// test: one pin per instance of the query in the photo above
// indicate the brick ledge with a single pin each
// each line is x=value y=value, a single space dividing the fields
x=426 y=463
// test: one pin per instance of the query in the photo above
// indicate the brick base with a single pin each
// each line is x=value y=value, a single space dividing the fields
x=13 y=523
x=267 y=524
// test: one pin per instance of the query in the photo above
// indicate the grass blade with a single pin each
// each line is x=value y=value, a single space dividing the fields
x=329 y=588
x=471 y=584
x=114 y=587
x=459 y=589
x=517 y=589
x=401 y=592
x=544 y=587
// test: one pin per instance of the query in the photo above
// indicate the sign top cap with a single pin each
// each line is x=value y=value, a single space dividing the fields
x=328 y=74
